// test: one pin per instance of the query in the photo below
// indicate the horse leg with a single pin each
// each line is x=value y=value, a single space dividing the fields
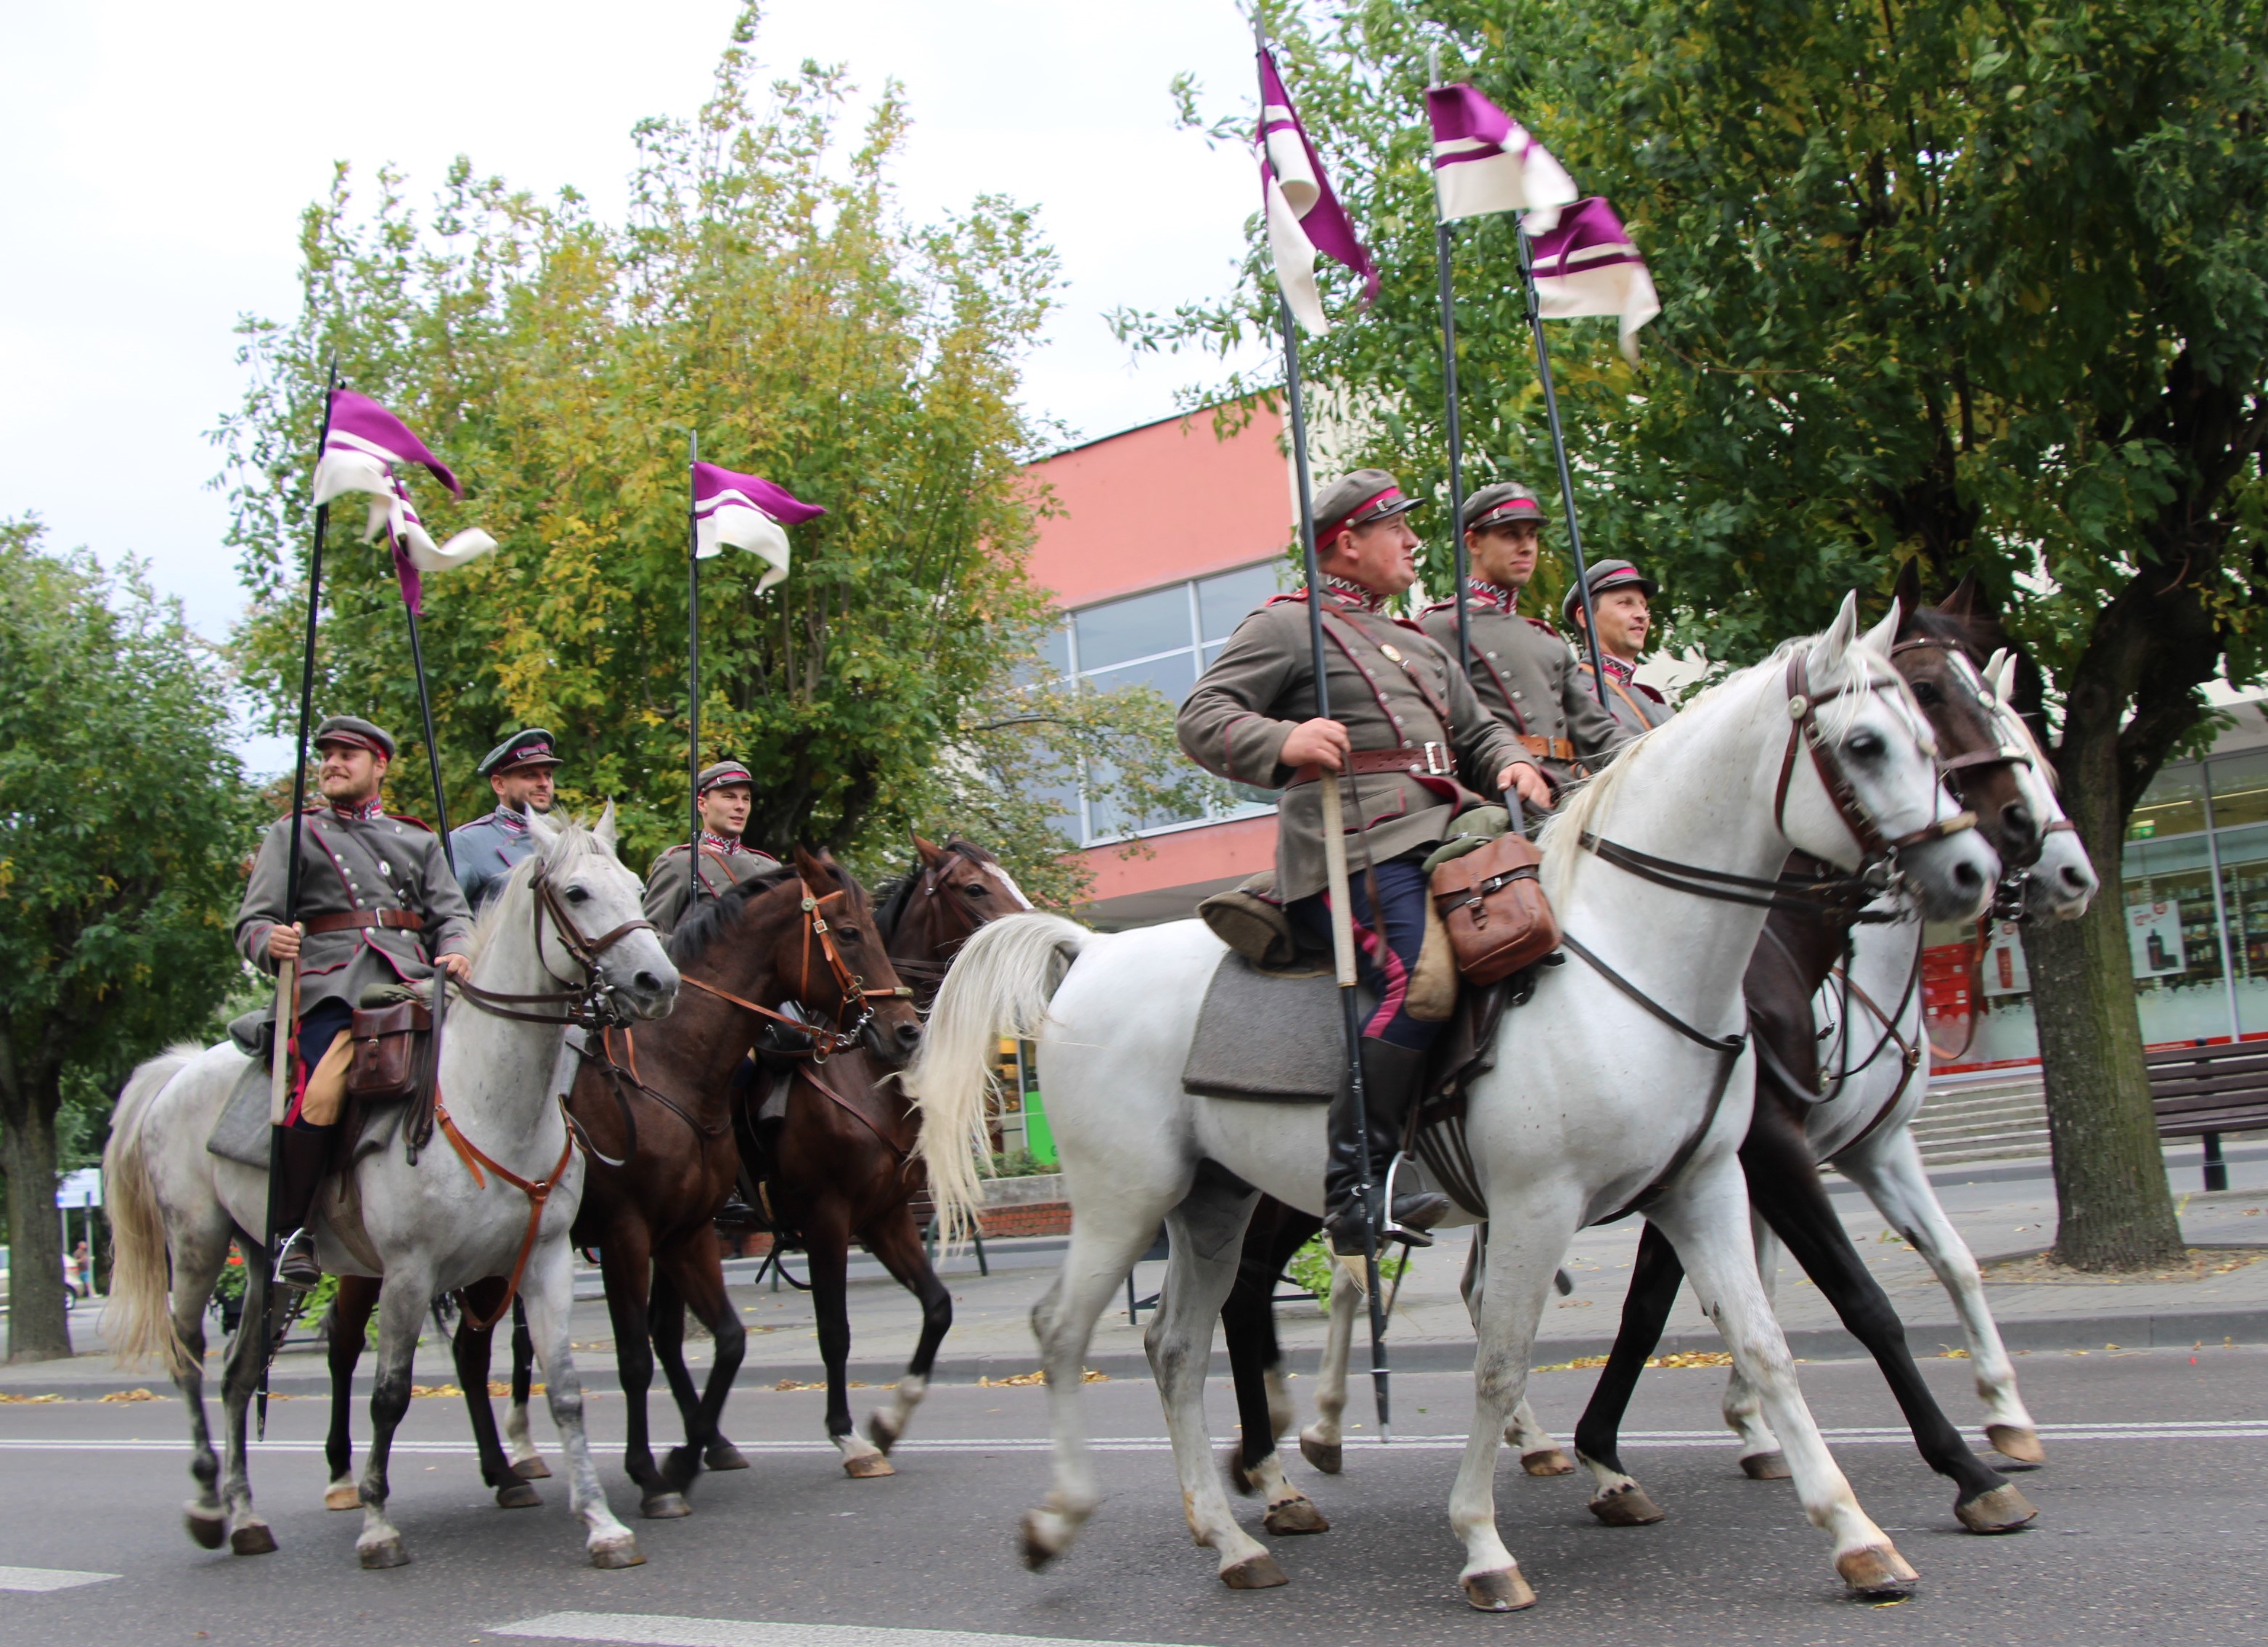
x=1704 y=1215
x=198 y=1257
x=1743 y=1408
x=696 y=1270
x=664 y=1326
x=1889 y=1167
x=344 y=1324
x=247 y=1355
x=1540 y=1454
x=1787 y=1191
x=626 y=1260
x=826 y=1242
x=471 y=1346
x=525 y=1460
x=1206 y=1236
x=895 y=1240
x=400 y=1318
x=1321 y=1443
x=1655 y=1275
x=549 y=1287
x=1255 y=1359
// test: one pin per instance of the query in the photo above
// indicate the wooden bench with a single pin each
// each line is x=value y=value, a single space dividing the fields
x=2205 y=1091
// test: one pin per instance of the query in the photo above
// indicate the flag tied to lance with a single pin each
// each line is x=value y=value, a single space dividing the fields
x=1485 y=161
x=365 y=443
x=1304 y=217
x=1588 y=265
x=745 y=512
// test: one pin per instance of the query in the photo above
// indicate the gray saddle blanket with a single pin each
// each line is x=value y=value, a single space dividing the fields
x=1269 y=1036
x=242 y=1133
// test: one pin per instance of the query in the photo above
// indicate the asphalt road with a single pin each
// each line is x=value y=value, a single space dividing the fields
x=2153 y=1527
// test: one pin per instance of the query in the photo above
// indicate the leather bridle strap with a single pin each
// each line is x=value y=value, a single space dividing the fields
x=537 y=1190
x=1714 y=1043
x=1804 y=731
x=1837 y=894
x=577 y=1005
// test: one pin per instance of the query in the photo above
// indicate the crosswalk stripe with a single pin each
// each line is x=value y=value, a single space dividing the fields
x=654 y=1630
x=41 y=1578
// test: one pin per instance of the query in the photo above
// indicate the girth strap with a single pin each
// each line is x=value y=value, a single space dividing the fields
x=538 y=1191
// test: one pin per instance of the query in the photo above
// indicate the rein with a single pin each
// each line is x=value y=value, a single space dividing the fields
x=585 y=1003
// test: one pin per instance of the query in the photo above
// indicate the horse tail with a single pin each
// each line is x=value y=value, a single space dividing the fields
x=1000 y=984
x=137 y=1321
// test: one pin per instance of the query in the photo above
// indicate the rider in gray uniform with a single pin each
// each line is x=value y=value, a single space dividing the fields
x=1622 y=597
x=521 y=771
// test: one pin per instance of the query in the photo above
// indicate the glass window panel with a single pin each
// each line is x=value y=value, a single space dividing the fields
x=1134 y=628
x=1173 y=676
x=1223 y=601
x=2239 y=789
x=1054 y=659
x=2173 y=804
x=2244 y=892
x=1112 y=823
x=1064 y=818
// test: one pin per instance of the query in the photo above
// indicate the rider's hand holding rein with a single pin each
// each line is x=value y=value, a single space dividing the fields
x=1324 y=744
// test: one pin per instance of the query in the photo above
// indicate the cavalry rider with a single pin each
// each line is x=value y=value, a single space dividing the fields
x=376 y=906
x=521 y=771
x=1521 y=669
x=1622 y=596
x=1404 y=719
x=723 y=797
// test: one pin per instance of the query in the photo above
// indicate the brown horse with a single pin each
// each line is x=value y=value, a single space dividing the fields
x=653 y=1114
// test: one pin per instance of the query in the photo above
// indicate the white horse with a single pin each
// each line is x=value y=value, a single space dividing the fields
x=568 y=914
x=1605 y=1090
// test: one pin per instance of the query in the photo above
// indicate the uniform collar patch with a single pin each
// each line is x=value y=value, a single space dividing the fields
x=369 y=811
x=1624 y=673
x=1492 y=594
x=1354 y=593
x=513 y=819
x=723 y=845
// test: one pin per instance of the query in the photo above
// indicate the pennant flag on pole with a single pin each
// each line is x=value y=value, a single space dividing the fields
x=1304 y=217
x=1484 y=161
x=745 y=512
x=364 y=444
x=1588 y=265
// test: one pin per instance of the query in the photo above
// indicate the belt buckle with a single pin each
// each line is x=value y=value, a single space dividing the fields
x=1438 y=762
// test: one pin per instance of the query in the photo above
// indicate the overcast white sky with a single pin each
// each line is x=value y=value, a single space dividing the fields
x=157 y=157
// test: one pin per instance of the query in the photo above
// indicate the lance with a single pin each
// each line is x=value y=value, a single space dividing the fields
x=1559 y=452
x=693 y=666
x=1335 y=854
x=1444 y=245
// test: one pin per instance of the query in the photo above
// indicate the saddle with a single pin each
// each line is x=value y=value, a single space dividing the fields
x=394 y=1061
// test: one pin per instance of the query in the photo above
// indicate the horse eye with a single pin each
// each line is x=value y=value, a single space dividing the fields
x=850 y=934
x=1865 y=744
x=974 y=889
x=577 y=894
x=1925 y=692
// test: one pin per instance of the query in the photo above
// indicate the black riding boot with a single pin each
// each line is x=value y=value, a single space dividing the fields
x=306 y=1160
x=1390 y=1078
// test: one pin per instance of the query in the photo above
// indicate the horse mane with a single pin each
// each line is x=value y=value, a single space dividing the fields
x=575 y=841
x=712 y=917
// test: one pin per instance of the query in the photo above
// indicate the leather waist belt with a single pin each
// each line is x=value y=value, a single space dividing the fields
x=1430 y=760
x=1548 y=748
x=399 y=920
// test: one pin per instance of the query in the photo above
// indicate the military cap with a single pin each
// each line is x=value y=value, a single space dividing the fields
x=1605 y=576
x=355 y=734
x=531 y=746
x=721 y=773
x=1365 y=495
x=1500 y=504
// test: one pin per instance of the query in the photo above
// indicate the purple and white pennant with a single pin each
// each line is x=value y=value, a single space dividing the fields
x=745 y=512
x=1485 y=161
x=361 y=449
x=1304 y=217
x=1589 y=266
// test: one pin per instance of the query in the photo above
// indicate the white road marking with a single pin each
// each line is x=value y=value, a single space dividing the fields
x=42 y=1578
x=656 y=1629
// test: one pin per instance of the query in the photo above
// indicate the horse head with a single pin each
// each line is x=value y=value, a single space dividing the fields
x=589 y=923
x=848 y=963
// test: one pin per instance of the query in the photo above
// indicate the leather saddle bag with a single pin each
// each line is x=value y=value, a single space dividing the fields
x=1492 y=904
x=388 y=1045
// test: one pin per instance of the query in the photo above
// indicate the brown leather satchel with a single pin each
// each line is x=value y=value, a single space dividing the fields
x=387 y=1042
x=1497 y=916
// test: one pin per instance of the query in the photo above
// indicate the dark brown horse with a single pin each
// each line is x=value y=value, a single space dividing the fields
x=654 y=1115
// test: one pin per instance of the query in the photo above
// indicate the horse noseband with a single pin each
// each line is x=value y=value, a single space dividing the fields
x=1804 y=731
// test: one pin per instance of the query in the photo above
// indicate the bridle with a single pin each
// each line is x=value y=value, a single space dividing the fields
x=936 y=883
x=851 y=988
x=585 y=1003
x=1805 y=731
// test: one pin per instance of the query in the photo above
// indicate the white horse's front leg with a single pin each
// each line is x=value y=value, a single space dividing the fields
x=400 y=1318
x=548 y=1287
x=1321 y=1443
x=1761 y=1459
x=1889 y=1167
x=1706 y=1216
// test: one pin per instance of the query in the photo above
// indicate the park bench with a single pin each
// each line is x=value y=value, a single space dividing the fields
x=2207 y=1090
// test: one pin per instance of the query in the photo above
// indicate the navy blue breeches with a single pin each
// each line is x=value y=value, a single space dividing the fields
x=318 y=1026
x=1384 y=963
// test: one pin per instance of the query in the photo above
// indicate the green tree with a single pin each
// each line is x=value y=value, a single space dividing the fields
x=764 y=292
x=1983 y=285
x=123 y=826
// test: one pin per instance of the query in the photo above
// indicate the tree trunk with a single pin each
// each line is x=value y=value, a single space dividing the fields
x=2116 y=1211
x=36 y=1327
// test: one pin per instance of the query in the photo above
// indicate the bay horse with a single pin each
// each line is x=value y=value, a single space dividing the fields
x=437 y=1222
x=1630 y=1083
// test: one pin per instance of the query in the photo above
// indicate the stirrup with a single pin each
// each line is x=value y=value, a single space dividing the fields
x=1424 y=1210
x=296 y=1265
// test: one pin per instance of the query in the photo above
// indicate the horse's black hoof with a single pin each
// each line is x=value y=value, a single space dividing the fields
x=2003 y=1510
x=531 y=1469
x=723 y=1455
x=518 y=1495
x=664 y=1506
x=207 y=1526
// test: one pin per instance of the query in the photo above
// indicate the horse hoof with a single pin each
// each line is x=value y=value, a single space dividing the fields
x=2019 y=1444
x=2003 y=1510
x=1504 y=1590
x=1765 y=1466
x=883 y=1436
x=518 y=1495
x=868 y=1465
x=1295 y=1515
x=207 y=1526
x=531 y=1469
x=724 y=1456
x=1628 y=1507
x=1547 y=1461
x=1258 y=1571
x=251 y=1537
x=1876 y=1570
x=1326 y=1456
x=622 y=1552
x=1232 y=1466
x=663 y=1507
x=1036 y=1550
x=383 y=1553
x=342 y=1496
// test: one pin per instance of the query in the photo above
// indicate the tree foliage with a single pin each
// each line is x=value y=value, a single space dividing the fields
x=763 y=292
x=123 y=826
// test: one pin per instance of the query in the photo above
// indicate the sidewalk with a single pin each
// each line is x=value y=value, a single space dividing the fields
x=2006 y=1210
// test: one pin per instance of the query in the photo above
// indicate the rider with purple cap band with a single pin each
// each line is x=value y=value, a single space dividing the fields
x=725 y=795
x=521 y=771
x=1622 y=597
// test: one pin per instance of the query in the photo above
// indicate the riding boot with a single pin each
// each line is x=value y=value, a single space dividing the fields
x=1391 y=1076
x=304 y=1159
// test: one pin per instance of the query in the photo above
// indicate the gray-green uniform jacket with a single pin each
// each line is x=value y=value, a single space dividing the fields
x=350 y=865
x=1525 y=676
x=1262 y=685
x=1636 y=708
x=669 y=883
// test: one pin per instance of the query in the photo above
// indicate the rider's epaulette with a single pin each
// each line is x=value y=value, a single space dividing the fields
x=1544 y=624
x=409 y=818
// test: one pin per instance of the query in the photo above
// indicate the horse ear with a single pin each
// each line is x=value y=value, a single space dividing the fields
x=931 y=854
x=2000 y=673
x=1905 y=595
x=604 y=830
x=812 y=867
x=544 y=827
x=1884 y=635
x=1962 y=603
x=1827 y=652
